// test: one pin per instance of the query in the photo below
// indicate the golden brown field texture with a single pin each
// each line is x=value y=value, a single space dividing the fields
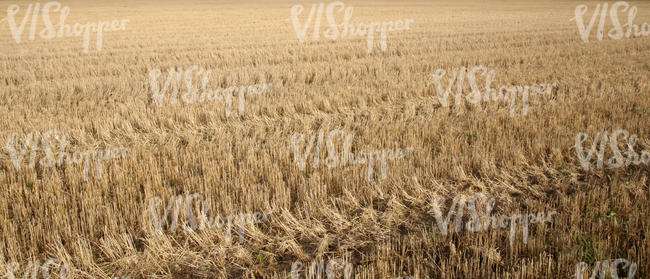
x=262 y=184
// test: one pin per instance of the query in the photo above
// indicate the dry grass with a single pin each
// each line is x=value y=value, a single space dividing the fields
x=245 y=164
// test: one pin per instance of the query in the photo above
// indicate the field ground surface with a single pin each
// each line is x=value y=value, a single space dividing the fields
x=102 y=227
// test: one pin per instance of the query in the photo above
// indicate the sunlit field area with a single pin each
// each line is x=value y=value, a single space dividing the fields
x=294 y=139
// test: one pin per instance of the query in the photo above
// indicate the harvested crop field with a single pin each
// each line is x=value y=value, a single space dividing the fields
x=252 y=139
